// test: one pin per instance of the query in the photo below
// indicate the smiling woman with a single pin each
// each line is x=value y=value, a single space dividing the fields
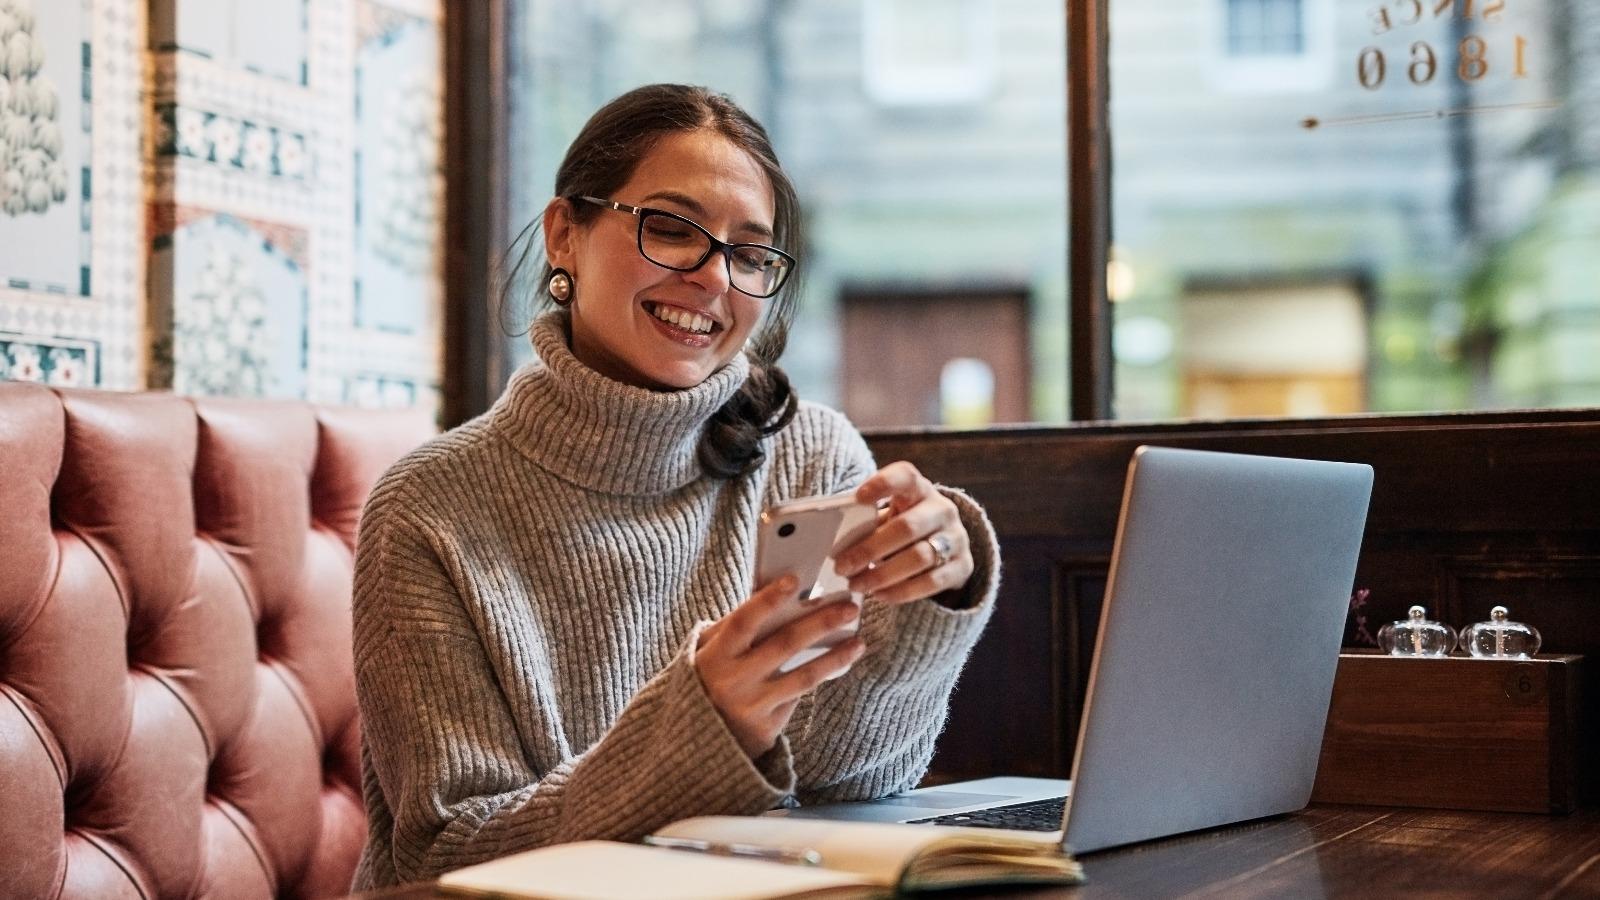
x=706 y=170
x=558 y=632
x=643 y=326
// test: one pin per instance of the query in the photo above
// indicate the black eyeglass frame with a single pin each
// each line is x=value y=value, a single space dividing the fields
x=716 y=245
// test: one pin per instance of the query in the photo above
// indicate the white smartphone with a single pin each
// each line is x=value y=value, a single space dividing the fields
x=800 y=537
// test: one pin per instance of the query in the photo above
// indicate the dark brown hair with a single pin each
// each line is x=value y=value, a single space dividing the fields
x=603 y=157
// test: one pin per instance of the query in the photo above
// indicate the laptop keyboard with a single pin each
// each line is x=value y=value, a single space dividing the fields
x=1036 y=815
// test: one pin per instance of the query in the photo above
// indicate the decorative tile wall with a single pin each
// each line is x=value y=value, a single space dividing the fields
x=262 y=219
x=71 y=265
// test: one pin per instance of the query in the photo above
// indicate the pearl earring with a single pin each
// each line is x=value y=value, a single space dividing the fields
x=560 y=287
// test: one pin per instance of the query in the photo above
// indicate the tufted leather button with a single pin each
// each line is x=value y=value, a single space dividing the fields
x=177 y=703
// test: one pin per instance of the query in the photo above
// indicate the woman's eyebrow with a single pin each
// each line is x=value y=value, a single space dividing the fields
x=694 y=207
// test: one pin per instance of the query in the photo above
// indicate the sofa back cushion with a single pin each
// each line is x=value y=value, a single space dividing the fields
x=177 y=704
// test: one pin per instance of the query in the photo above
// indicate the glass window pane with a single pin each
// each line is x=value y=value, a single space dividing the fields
x=1402 y=214
x=927 y=140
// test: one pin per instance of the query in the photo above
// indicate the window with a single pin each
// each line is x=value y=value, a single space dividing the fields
x=927 y=140
x=1262 y=46
x=1265 y=28
x=1401 y=191
x=1405 y=235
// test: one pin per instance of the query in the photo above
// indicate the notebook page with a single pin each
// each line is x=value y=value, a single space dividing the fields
x=878 y=851
x=603 y=870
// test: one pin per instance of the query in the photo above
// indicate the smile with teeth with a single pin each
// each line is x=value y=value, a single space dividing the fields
x=681 y=318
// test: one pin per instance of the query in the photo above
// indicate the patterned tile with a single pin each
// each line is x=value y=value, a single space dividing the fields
x=60 y=362
x=257 y=148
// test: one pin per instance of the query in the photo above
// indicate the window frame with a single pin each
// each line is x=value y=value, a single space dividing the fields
x=476 y=149
x=1090 y=364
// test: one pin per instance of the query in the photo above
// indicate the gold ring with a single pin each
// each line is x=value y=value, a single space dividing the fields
x=941 y=548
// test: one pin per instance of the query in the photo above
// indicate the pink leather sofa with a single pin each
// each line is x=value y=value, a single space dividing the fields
x=177 y=705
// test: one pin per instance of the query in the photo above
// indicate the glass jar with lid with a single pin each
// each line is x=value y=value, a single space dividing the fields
x=1417 y=635
x=1501 y=638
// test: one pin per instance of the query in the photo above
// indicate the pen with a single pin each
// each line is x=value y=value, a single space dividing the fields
x=796 y=856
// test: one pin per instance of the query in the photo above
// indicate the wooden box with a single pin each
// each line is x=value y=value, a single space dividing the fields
x=1454 y=733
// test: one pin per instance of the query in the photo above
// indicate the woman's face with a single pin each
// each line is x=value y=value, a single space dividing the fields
x=620 y=296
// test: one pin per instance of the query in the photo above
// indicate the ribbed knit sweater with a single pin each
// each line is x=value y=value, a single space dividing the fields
x=529 y=591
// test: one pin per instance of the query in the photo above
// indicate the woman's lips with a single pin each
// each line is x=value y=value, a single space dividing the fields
x=681 y=335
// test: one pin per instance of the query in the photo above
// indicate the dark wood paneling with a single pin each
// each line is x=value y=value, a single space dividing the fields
x=1468 y=510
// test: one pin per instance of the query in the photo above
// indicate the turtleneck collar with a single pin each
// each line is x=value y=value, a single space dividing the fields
x=602 y=434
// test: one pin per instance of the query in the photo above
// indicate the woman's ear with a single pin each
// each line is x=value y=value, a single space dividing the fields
x=560 y=234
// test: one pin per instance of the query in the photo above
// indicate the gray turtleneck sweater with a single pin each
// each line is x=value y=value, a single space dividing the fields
x=529 y=590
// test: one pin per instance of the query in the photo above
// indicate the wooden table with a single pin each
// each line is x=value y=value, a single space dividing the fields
x=1334 y=851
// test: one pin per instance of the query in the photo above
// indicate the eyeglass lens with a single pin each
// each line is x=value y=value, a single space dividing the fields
x=671 y=242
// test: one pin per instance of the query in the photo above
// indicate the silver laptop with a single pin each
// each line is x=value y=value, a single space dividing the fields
x=1220 y=632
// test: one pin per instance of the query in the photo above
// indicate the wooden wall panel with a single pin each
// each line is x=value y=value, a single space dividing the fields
x=1468 y=510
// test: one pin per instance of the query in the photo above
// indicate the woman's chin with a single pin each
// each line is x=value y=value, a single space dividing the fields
x=678 y=377
x=679 y=369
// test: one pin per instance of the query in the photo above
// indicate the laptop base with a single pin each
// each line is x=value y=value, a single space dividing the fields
x=943 y=800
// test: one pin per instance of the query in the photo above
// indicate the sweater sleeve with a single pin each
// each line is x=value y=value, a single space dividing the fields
x=870 y=733
x=444 y=747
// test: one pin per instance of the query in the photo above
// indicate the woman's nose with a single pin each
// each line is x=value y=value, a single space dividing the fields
x=713 y=273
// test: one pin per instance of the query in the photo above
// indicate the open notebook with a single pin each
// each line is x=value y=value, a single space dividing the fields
x=848 y=859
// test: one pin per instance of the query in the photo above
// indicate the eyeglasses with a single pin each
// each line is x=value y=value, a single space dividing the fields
x=673 y=242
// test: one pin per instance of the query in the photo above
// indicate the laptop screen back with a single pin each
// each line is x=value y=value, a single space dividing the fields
x=1219 y=637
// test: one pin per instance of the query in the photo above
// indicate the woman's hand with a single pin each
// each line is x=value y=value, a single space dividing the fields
x=738 y=663
x=919 y=549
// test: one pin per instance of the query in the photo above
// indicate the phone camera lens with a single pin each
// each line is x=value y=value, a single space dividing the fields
x=786 y=529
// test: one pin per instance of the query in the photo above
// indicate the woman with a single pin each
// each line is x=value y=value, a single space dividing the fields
x=555 y=625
